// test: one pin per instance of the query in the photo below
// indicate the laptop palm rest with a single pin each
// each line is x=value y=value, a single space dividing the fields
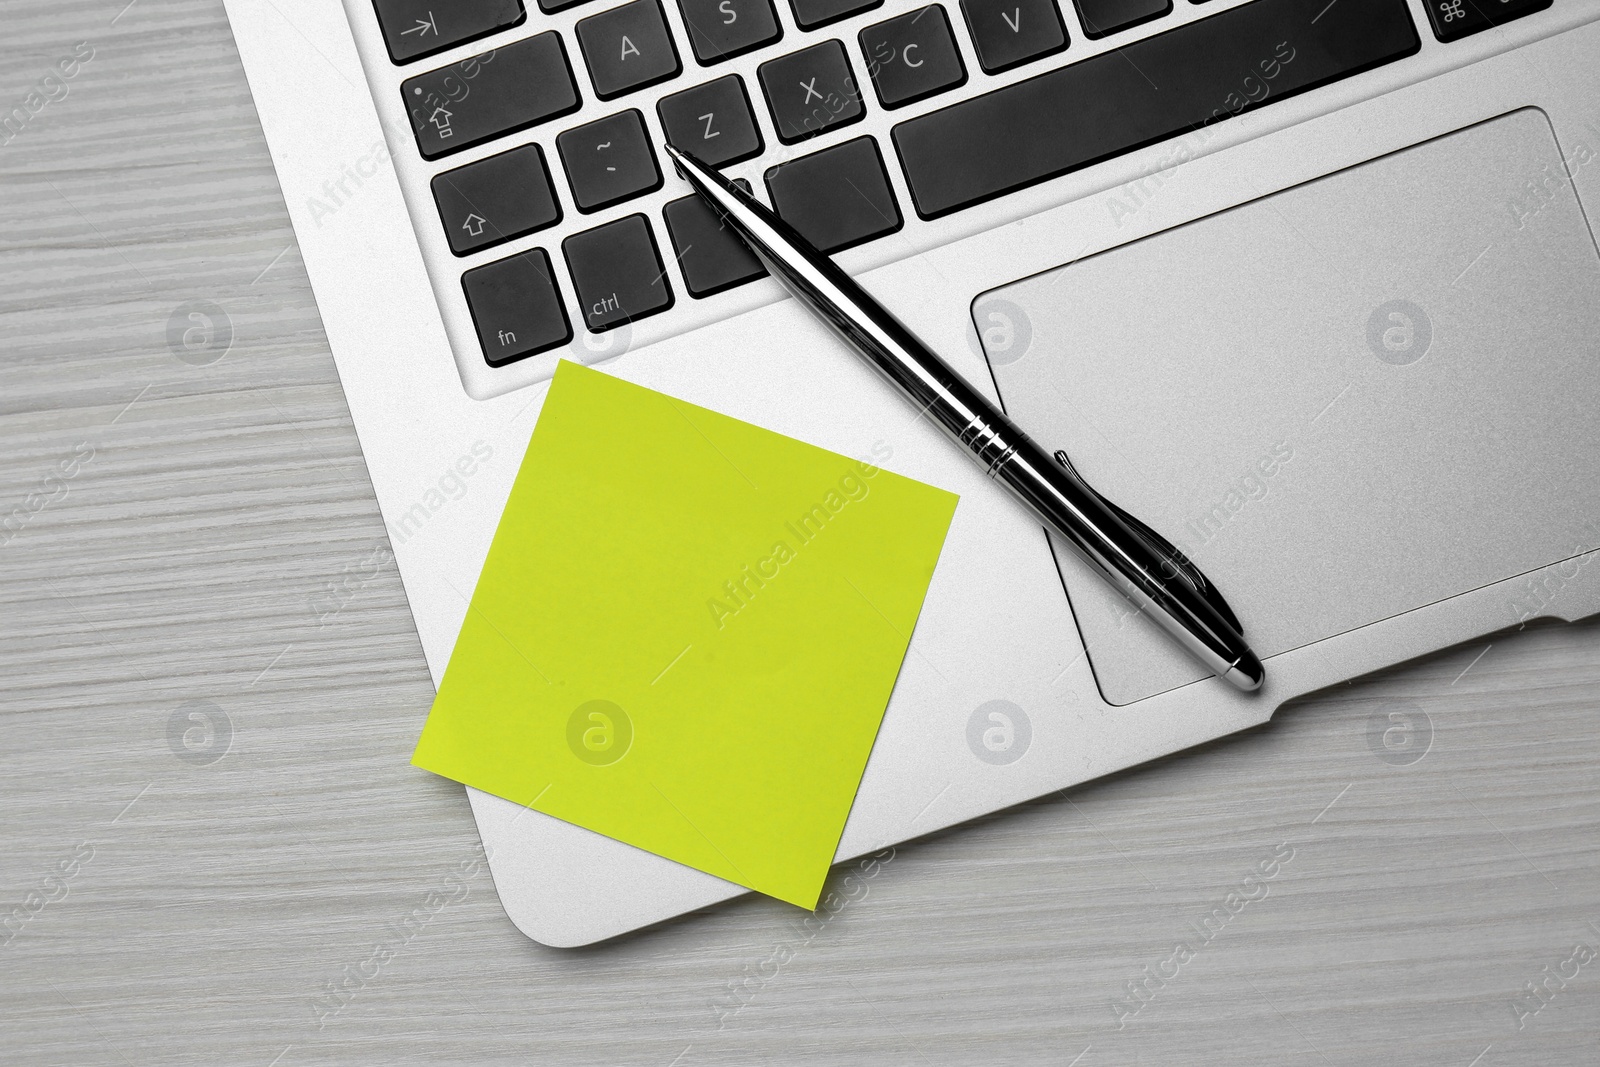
x=1344 y=401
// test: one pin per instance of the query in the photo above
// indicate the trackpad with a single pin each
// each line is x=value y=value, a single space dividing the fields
x=1344 y=401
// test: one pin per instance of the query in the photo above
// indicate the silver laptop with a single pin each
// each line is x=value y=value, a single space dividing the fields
x=1307 y=285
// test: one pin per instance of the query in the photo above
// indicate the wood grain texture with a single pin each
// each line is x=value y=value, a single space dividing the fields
x=210 y=904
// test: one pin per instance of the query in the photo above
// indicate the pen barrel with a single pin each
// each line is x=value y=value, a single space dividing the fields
x=1056 y=496
x=1080 y=516
x=1059 y=499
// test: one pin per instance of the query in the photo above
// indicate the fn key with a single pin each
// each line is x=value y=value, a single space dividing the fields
x=516 y=307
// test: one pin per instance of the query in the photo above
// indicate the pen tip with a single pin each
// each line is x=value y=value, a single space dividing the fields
x=680 y=161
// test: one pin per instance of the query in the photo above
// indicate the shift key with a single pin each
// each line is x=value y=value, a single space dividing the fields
x=490 y=95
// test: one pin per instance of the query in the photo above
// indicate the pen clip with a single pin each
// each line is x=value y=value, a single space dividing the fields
x=1181 y=565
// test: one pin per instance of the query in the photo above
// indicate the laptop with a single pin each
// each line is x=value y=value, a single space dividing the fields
x=1309 y=286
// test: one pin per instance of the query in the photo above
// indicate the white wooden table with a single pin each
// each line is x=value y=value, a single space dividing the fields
x=209 y=821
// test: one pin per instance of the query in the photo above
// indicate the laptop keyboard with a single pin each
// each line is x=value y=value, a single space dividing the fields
x=951 y=156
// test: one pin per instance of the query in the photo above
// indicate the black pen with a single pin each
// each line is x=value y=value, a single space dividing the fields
x=1159 y=580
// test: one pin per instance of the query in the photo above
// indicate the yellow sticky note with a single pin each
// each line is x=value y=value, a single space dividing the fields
x=686 y=633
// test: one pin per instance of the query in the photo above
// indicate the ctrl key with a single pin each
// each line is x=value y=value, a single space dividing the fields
x=617 y=272
x=516 y=307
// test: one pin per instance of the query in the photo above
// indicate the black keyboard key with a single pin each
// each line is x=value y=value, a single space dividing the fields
x=484 y=97
x=1009 y=33
x=912 y=56
x=712 y=122
x=496 y=199
x=1455 y=19
x=617 y=272
x=1102 y=17
x=838 y=197
x=722 y=29
x=809 y=14
x=1080 y=114
x=811 y=91
x=711 y=256
x=608 y=161
x=416 y=28
x=627 y=48
x=516 y=307
x=549 y=7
